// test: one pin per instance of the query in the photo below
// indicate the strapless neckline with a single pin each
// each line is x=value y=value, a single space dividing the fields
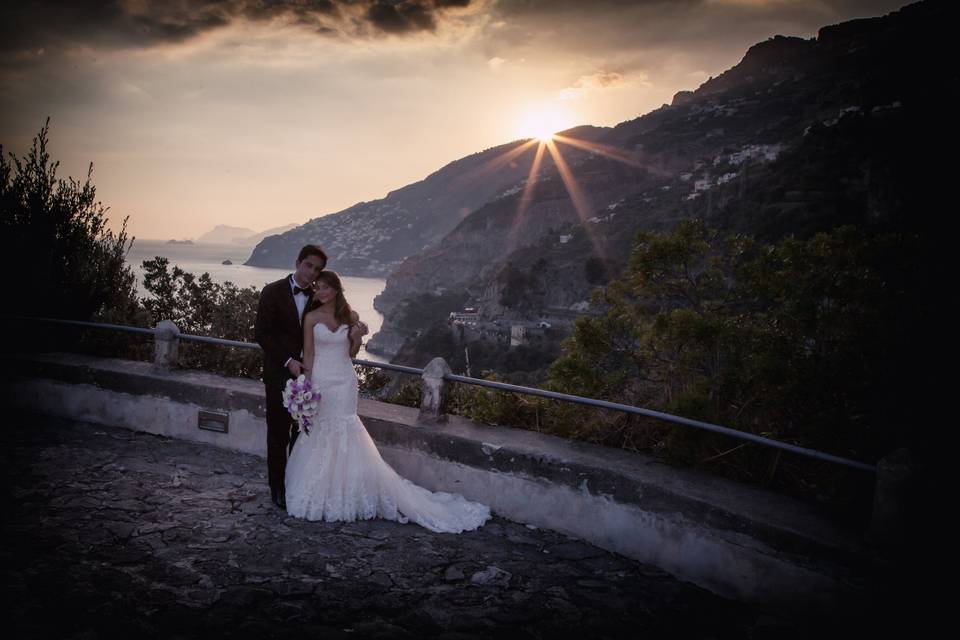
x=320 y=324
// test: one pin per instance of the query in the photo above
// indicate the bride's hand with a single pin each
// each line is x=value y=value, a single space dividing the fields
x=358 y=330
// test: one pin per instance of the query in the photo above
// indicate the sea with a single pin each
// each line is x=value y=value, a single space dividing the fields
x=209 y=258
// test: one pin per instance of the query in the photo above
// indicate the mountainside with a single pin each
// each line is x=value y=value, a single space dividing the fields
x=800 y=136
x=258 y=237
x=372 y=238
x=225 y=234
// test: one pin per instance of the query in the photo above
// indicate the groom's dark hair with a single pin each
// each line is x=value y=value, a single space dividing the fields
x=312 y=250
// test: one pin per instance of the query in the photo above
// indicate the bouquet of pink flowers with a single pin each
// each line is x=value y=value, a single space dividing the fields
x=301 y=401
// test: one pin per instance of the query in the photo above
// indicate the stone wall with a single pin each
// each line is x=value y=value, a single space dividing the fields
x=738 y=541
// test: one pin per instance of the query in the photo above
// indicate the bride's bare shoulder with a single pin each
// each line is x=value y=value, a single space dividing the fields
x=312 y=317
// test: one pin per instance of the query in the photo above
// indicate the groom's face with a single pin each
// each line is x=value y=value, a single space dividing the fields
x=308 y=269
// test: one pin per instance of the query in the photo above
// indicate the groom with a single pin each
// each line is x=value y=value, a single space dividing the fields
x=278 y=331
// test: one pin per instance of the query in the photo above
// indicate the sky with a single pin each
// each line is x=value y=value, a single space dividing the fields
x=259 y=113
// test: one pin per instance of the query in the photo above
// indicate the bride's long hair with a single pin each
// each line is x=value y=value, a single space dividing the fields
x=341 y=309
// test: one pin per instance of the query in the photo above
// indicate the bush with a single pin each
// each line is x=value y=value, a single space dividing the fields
x=805 y=341
x=200 y=306
x=55 y=234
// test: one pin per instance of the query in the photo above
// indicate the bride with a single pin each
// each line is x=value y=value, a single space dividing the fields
x=335 y=472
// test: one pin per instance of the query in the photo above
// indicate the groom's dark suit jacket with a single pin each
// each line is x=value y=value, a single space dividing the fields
x=278 y=330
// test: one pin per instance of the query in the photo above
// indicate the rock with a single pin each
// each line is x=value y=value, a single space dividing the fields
x=525 y=540
x=121 y=530
x=205 y=597
x=453 y=574
x=381 y=579
x=243 y=597
x=681 y=97
x=593 y=584
x=575 y=551
x=492 y=577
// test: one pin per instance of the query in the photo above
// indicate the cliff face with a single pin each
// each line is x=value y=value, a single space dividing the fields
x=800 y=136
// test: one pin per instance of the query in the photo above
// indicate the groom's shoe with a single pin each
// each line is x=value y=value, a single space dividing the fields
x=279 y=500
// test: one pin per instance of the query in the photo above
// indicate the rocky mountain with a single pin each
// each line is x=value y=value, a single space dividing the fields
x=225 y=234
x=800 y=136
x=373 y=238
x=258 y=237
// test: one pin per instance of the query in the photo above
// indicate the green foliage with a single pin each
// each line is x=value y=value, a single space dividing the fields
x=801 y=341
x=370 y=379
x=419 y=312
x=515 y=283
x=408 y=392
x=522 y=289
x=55 y=234
x=596 y=271
x=524 y=364
x=200 y=306
x=496 y=407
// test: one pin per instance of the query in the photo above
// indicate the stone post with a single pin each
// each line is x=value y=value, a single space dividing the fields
x=434 y=399
x=166 y=342
x=890 y=501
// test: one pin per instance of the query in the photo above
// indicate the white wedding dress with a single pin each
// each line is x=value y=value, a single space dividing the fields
x=335 y=472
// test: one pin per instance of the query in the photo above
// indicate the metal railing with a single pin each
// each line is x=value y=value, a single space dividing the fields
x=169 y=333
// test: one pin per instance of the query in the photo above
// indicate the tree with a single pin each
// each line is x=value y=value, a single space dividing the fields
x=63 y=259
x=807 y=341
x=595 y=271
x=200 y=306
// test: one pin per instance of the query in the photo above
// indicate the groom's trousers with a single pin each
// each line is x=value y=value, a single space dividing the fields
x=281 y=434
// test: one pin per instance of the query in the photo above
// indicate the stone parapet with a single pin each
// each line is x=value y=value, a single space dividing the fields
x=738 y=541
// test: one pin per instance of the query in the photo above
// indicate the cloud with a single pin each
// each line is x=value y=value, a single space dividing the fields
x=402 y=17
x=600 y=79
x=495 y=63
x=52 y=24
x=592 y=82
x=660 y=38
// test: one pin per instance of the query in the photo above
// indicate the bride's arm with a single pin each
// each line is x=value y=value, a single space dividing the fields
x=355 y=337
x=308 y=321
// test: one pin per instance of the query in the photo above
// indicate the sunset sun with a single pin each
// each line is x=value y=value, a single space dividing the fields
x=543 y=122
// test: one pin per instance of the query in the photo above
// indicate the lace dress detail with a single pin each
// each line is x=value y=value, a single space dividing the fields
x=336 y=473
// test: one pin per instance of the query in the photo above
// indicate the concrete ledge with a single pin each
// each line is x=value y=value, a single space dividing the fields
x=735 y=540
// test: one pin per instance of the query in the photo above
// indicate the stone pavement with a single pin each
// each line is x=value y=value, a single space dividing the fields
x=113 y=532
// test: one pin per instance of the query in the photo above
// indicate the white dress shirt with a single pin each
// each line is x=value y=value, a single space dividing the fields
x=300 y=299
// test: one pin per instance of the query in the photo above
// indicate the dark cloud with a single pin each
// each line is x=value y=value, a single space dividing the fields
x=520 y=8
x=646 y=34
x=55 y=24
x=554 y=7
x=401 y=17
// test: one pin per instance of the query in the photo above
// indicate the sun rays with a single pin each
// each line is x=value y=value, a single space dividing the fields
x=549 y=142
x=525 y=197
x=580 y=203
x=628 y=158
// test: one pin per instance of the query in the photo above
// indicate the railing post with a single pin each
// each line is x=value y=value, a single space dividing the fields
x=434 y=399
x=890 y=501
x=166 y=345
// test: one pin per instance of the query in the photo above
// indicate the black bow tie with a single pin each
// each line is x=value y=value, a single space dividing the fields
x=305 y=291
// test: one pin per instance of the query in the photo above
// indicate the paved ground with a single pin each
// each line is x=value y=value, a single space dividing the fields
x=108 y=532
